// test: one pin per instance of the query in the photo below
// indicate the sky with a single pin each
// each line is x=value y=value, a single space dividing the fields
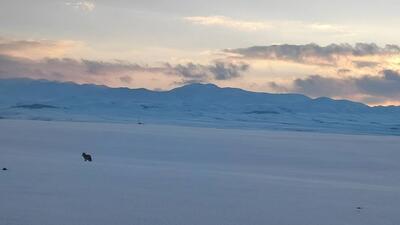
x=339 y=49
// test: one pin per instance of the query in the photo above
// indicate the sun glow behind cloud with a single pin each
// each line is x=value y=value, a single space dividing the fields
x=37 y=49
x=228 y=22
x=87 y=6
x=254 y=25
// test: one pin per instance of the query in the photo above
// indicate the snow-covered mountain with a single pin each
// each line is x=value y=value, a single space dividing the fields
x=194 y=104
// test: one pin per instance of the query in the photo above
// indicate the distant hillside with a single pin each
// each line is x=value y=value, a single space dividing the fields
x=194 y=104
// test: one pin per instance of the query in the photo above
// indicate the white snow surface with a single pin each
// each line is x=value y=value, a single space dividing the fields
x=170 y=175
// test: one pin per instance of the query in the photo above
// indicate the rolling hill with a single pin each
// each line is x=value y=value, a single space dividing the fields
x=194 y=104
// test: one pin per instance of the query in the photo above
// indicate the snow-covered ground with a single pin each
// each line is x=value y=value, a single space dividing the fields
x=167 y=175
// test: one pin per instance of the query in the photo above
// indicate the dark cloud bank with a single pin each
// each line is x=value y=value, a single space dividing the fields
x=375 y=89
x=305 y=53
x=200 y=73
x=71 y=69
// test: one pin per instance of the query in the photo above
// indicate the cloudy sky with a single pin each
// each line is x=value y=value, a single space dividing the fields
x=341 y=49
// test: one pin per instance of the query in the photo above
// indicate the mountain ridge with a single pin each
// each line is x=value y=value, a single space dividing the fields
x=191 y=104
x=191 y=87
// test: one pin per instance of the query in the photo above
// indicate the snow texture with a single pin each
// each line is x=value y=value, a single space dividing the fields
x=170 y=175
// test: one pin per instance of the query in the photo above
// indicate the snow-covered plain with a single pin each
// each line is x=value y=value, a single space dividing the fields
x=167 y=175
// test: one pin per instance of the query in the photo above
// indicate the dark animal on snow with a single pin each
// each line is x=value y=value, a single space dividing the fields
x=5 y=169
x=87 y=157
